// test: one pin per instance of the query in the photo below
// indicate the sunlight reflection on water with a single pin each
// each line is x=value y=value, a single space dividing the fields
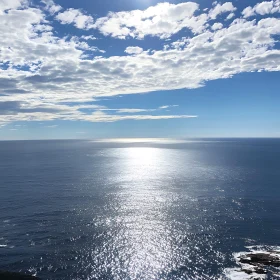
x=152 y=232
x=144 y=211
x=144 y=202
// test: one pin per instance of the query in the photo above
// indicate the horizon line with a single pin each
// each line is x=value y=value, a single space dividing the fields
x=112 y=139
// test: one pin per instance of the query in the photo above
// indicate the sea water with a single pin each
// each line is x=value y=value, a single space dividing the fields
x=137 y=209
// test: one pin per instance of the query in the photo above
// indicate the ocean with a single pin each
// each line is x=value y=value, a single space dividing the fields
x=137 y=209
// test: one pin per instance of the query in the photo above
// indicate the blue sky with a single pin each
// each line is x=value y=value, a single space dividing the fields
x=107 y=69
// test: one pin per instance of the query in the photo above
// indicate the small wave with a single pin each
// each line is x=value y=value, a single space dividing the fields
x=248 y=268
x=3 y=246
x=237 y=274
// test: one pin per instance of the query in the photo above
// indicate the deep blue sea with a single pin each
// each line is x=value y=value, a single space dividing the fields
x=138 y=209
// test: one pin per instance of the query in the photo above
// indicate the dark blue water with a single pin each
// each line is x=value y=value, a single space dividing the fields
x=144 y=210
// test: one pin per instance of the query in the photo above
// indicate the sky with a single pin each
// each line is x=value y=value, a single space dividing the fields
x=119 y=68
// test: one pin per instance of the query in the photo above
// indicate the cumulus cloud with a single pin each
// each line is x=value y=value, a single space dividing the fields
x=133 y=50
x=51 y=7
x=76 y=17
x=42 y=74
x=220 y=9
x=263 y=8
x=217 y=26
x=161 y=20
x=11 y=4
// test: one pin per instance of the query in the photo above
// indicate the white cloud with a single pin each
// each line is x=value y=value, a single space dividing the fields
x=217 y=26
x=167 y=106
x=51 y=7
x=89 y=37
x=161 y=20
x=43 y=72
x=133 y=50
x=132 y=110
x=76 y=17
x=263 y=8
x=20 y=111
x=248 y=12
x=11 y=4
x=230 y=16
x=81 y=44
x=100 y=116
x=220 y=9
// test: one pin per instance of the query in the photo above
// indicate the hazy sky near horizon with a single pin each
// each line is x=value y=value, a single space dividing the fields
x=143 y=68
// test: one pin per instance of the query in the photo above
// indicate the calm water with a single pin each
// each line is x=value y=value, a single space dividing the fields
x=153 y=210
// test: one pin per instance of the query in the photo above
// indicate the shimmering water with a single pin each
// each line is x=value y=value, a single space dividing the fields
x=136 y=210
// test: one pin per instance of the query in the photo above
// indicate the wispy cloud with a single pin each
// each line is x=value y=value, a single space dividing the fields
x=100 y=116
x=137 y=110
x=167 y=106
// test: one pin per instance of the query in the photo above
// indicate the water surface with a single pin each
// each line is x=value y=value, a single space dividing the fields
x=136 y=209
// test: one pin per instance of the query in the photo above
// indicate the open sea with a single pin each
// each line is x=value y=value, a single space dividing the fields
x=137 y=209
